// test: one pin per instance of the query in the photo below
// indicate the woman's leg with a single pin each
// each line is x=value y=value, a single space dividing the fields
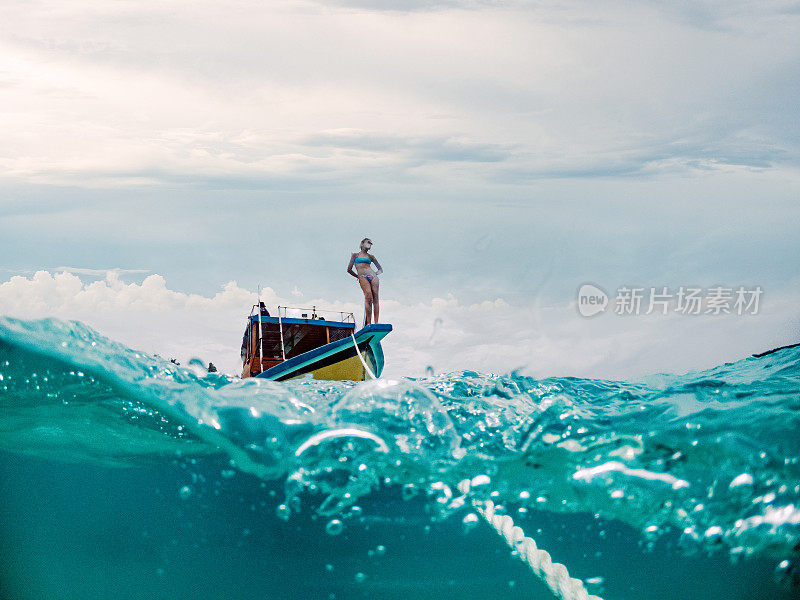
x=375 y=305
x=367 y=289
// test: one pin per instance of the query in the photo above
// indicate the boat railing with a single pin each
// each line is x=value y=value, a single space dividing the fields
x=315 y=313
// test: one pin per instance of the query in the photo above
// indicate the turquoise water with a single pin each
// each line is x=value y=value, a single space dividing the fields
x=125 y=476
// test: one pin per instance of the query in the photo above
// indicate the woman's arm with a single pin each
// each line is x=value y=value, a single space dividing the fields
x=377 y=264
x=350 y=266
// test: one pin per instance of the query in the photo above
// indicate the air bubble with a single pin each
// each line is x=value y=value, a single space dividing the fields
x=713 y=534
x=441 y=491
x=786 y=572
x=334 y=527
x=651 y=532
x=409 y=491
x=469 y=522
x=480 y=480
x=283 y=512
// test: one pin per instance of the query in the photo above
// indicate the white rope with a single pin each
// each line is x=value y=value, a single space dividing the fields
x=552 y=574
x=361 y=358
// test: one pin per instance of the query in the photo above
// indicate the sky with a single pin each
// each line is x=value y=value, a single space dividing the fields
x=162 y=160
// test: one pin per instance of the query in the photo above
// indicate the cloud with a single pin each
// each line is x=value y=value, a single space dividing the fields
x=412 y=150
x=105 y=273
x=410 y=5
x=441 y=333
x=724 y=15
x=248 y=94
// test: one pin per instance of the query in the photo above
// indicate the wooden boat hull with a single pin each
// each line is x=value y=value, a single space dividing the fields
x=336 y=361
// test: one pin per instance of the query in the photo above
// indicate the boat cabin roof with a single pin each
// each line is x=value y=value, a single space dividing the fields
x=302 y=321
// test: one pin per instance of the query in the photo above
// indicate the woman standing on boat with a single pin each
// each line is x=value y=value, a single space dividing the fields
x=367 y=278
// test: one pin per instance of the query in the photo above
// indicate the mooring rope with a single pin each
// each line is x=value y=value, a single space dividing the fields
x=361 y=358
x=552 y=574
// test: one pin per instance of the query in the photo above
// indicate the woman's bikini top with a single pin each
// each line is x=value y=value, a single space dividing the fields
x=363 y=260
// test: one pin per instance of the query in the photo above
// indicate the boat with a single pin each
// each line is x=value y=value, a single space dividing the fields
x=302 y=342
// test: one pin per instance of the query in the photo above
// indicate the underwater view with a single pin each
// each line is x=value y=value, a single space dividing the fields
x=400 y=300
x=123 y=475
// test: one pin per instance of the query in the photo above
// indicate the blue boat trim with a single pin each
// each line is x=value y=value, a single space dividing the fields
x=368 y=340
x=303 y=321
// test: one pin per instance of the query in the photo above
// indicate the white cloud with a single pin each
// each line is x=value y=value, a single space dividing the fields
x=490 y=336
x=145 y=93
x=99 y=272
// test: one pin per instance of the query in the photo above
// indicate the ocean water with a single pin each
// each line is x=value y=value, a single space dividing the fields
x=123 y=475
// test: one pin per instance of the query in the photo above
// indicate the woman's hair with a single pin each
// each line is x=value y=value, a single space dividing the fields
x=362 y=242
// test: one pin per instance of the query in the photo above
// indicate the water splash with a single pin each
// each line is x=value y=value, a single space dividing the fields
x=714 y=454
